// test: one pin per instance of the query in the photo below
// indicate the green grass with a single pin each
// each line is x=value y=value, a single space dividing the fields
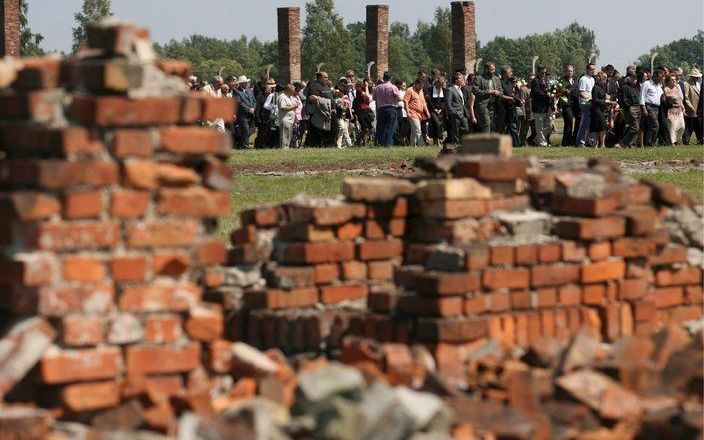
x=249 y=161
x=253 y=190
x=690 y=181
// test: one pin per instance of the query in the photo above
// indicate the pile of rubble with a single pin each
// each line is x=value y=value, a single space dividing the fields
x=481 y=297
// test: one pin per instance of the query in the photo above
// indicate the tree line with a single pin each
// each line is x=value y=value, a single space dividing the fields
x=327 y=39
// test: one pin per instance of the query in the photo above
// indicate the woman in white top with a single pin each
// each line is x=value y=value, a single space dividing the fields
x=675 y=109
x=287 y=115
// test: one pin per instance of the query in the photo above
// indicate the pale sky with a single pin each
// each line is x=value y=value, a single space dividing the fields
x=648 y=22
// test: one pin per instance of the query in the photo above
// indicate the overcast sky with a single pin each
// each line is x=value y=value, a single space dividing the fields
x=648 y=22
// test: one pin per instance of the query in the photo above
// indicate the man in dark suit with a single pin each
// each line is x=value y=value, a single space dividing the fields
x=245 y=110
x=456 y=110
x=486 y=91
x=508 y=101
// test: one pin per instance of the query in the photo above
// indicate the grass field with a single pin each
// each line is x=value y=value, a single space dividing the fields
x=271 y=176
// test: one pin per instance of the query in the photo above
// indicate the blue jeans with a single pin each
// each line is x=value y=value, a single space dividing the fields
x=386 y=125
x=584 y=124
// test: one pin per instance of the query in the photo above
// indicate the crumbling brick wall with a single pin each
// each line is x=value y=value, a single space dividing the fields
x=109 y=195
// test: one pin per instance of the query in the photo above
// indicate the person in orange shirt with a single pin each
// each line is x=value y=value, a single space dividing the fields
x=417 y=111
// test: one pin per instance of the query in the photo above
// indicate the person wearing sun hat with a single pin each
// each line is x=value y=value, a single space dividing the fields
x=693 y=119
x=245 y=110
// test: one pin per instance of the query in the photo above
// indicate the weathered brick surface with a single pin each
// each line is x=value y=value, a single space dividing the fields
x=289 y=53
x=463 y=35
x=377 y=39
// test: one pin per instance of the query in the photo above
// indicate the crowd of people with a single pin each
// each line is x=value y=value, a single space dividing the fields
x=598 y=109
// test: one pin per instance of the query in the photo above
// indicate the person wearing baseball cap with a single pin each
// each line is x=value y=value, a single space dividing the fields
x=693 y=118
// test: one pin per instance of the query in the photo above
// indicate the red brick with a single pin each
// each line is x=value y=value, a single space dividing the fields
x=326 y=273
x=90 y=396
x=547 y=323
x=62 y=300
x=599 y=251
x=326 y=215
x=501 y=255
x=452 y=330
x=163 y=233
x=610 y=322
x=521 y=299
x=451 y=209
x=126 y=203
x=602 y=271
x=350 y=231
x=116 y=111
x=215 y=108
x=644 y=311
x=170 y=263
x=66 y=236
x=305 y=232
x=379 y=250
x=194 y=140
x=667 y=297
x=446 y=283
x=499 y=301
x=590 y=207
x=678 y=277
x=590 y=228
x=63 y=366
x=684 y=313
x=82 y=330
x=29 y=269
x=29 y=205
x=151 y=359
x=509 y=203
x=573 y=252
x=526 y=254
x=668 y=255
x=59 y=142
x=211 y=251
x=478 y=257
x=492 y=169
x=128 y=268
x=546 y=297
x=554 y=275
x=218 y=175
x=631 y=247
x=160 y=329
x=244 y=235
x=83 y=268
x=494 y=279
x=205 y=323
x=476 y=304
x=380 y=270
x=262 y=216
x=431 y=306
x=570 y=295
x=57 y=174
x=132 y=143
x=167 y=385
x=354 y=270
x=248 y=253
x=631 y=289
x=160 y=296
x=640 y=220
x=549 y=252
x=280 y=299
x=311 y=253
x=593 y=294
x=36 y=105
x=336 y=294
x=83 y=205
x=693 y=295
x=194 y=201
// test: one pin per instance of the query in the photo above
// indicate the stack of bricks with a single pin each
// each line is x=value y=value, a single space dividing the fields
x=492 y=247
x=321 y=259
x=109 y=195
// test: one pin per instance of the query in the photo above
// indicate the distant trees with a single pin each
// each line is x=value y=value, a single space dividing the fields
x=325 y=40
x=91 y=10
x=686 y=53
x=29 y=41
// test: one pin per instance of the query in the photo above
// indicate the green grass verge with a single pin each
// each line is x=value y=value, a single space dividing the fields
x=253 y=190
x=249 y=161
x=690 y=181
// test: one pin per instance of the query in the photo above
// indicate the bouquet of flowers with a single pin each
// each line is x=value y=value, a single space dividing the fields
x=559 y=91
x=520 y=83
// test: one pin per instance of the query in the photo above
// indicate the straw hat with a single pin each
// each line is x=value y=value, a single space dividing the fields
x=243 y=79
x=695 y=73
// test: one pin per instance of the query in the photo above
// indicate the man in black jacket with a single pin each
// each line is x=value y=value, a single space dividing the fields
x=630 y=96
x=508 y=101
x=541 y=107
x=568 y=129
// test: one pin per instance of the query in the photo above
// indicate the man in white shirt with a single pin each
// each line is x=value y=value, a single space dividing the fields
x=287 y=115
x=650 y=100
x=584 y=87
